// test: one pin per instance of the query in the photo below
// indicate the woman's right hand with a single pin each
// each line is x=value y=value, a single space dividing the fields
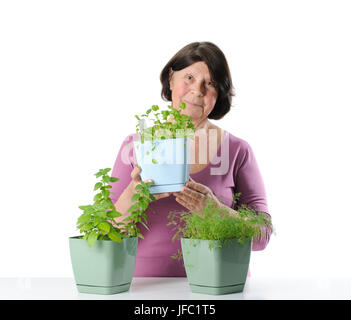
x=135 y=175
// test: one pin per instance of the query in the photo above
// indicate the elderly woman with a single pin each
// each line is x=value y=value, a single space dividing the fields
x=199 y=76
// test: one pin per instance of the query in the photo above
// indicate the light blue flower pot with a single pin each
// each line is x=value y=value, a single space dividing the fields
x=172 y=167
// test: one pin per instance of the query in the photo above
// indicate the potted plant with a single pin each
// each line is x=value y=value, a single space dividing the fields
x=216 y=246
x=163 y=149
x=103 y=258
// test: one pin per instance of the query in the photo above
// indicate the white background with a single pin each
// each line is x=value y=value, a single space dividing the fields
x=74 y=73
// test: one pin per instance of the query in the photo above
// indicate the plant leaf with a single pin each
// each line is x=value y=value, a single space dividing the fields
x=114 y=214
x=133 y=207
x=106 y=179
x=104 y=227
x=92 y=238
x=101 y=214
x=115 y=236
x=86 y=227
x=144 y=204
x=87 y=209
x=105 y=193
x=97 y=197
x=135 y=197
x=98 y=174
x=96 y=221
x=146 y=227
x=97 y=185
x=83 y=219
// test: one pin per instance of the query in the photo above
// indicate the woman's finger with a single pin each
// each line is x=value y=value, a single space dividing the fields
x=197 y=186
x=193 y=194
x=161 y=195
x=135 y=174
x=184 y=203
x=188 y=200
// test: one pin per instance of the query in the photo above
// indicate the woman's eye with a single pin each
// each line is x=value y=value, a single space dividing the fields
x=189 y=77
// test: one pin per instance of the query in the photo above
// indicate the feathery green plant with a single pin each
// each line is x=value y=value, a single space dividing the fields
x=219 y=224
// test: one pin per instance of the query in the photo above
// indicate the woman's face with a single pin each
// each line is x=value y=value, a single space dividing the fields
x=193 y=86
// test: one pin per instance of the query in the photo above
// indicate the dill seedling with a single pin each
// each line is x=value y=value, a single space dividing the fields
x=218 y=224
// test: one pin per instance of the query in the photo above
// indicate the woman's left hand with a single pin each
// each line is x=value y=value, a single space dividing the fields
x=193 y=196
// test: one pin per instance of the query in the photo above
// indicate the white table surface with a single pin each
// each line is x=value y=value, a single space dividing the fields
x=178 y=289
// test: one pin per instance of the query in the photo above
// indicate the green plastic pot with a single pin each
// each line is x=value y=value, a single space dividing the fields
x=105 y=268
x=217 y=270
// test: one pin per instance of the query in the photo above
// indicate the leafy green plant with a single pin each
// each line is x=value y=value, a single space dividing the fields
x=162 y=127
x=218 y=224
x=142 y=198
x=97 y=221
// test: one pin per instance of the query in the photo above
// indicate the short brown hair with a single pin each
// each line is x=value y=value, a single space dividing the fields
x=217 y=65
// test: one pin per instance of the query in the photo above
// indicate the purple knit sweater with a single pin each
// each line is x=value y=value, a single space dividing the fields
x=237 y=172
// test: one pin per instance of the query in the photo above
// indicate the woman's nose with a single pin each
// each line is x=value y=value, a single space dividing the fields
x=198 y=88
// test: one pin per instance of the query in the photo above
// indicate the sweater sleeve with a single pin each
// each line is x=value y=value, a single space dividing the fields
x=123 y=166
x=249 y=183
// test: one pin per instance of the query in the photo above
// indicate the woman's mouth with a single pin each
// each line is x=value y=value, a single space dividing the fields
x=193 y=104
